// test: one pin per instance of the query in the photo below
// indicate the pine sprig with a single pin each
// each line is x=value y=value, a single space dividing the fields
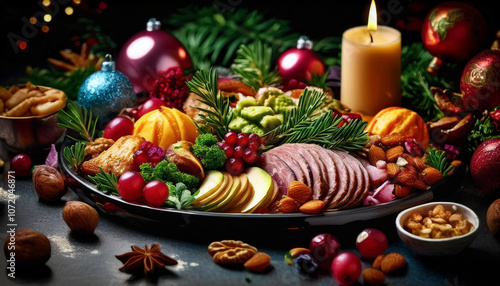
x=79 y=120
x=74 y=155
x=437 y=159
x=218 y=117
x=253 y=64
x=298 y=127
x=105 y=182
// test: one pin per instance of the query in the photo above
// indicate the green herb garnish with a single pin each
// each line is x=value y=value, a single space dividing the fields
x=298 y=127
x=219 y=115
x=79 y=120
x=253 y=65
x=74 y=155
x=206 y=150
x=179 y=196
x=482 y=130
x=105 y=182
x=437 y=159
x=166 y=171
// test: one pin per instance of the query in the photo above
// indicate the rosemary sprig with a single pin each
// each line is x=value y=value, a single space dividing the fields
x=74 y=155
x=298 y=127
x=105 y=182
x=437 y=159
x=79 y=120
x=253 y=65
x=204 y=84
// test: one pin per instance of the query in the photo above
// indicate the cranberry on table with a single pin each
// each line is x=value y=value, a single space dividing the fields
x=155 y=192
x=324 y=247
x=130 y=185
x=371 y=242
x=21 y=164
x=346 y=268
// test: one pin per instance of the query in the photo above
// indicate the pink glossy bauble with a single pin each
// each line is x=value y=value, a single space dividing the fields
x=148 y=52
x=300 y=62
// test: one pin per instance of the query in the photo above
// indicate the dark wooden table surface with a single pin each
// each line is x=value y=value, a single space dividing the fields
x=80 y=260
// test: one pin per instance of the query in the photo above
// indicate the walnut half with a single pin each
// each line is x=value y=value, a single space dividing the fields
x=231 y=251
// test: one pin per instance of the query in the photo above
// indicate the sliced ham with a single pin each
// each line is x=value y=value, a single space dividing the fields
x=343 y=180
x=330 y=169
x=278 y=170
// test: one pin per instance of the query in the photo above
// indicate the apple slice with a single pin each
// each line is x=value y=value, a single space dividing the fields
x=263 y=187
x=213 y=180
x=238 y=207
x=228 y=181
x=273 y=195
x=226 y=197
x=241 y=192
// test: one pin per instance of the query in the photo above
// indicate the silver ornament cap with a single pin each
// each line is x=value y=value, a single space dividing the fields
x=108 y=64
x=304 y=43
x=153 y=24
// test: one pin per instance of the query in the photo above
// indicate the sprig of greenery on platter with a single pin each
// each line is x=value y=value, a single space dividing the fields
x=298 y=127
x=74 y=155
x=437 y=159
x=253 y=66
x=79 y=120
x=219 y=115
x=105 y=182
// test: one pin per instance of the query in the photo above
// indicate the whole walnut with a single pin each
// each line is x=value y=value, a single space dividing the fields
x=49 y=183
x=80 y=217
x=29 y=248
x=493 y=217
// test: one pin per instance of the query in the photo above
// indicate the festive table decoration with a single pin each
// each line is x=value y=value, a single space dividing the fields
x=148 y=52
x=145 y=260
x=371 y=67
x=107 y=91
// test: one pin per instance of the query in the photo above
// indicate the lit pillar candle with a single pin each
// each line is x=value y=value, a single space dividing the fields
x=371 y=67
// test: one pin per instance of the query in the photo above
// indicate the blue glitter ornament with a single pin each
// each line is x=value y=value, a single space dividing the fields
x=107 y=91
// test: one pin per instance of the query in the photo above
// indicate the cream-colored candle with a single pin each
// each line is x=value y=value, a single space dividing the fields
x=371 y=68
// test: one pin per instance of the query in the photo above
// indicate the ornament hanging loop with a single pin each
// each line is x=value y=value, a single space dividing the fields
x=108 y=64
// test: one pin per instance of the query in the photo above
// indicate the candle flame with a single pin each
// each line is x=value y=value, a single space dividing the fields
x=372 y=17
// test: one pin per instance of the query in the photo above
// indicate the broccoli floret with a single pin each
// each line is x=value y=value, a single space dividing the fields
x=207 y=151
x=166 y=171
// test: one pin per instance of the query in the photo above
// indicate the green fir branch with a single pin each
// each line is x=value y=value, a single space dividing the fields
x=79 y=120
x=105 y=182
x=437 y=159
x=74 y=155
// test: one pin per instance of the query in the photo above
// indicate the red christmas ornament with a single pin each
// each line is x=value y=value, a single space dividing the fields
x=480 y=81
x=300 y=63
x=149 y=52
x=453 y=31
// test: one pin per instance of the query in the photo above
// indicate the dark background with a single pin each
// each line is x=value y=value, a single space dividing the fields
x=121 y=19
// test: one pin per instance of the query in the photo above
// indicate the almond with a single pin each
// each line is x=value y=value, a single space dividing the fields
x=431 y=175
x=392 y=262
x=394 y=153
x=288 y=205
x=89 y=169
x=393 y=139
x=295 y=252
x=409 y=159
x=400 y=191
x=419 y=185
x=406 y=179
x=419 y=163
x=392 y=170
x=375 y=154
x=410 y=169
x=378 y=261
x=373 y=276
x=299 y=191
x=258 y=262
x=312 y=207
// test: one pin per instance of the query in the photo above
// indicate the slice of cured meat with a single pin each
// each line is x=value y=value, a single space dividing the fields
x=278 y=170
x=295 y=161
x=330 y=170
x=343 y=180
x=363 y=182
x=352 y=182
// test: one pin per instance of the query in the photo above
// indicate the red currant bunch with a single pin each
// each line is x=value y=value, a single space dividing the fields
x=241 y=149
x=148 y=153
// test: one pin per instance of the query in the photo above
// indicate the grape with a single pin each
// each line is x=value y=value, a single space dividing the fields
x=324 y=247
x=243 y=139
x=134 y=113
x=306 y=264
x=234 y=166
x=140 y=157
x=254 y=138
x=254 y=145
x=238 y=152
x=118 y=127
x=21 y=164
x=231 y=138
x=371 y=243
x=229 y=150
x=130 y=185
x=155 y=192
x=346 y=268
x=222 y=144
x=150 y=105
x=249 y=155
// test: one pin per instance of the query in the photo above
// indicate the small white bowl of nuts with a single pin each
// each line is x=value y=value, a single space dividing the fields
x=437 y=228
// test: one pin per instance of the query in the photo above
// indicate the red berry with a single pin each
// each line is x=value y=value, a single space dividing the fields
x=371 y=243
x=346 y=268
x=234 y=166
x=324 y=247
x=150 y=105
x=238 y=152
x=130 y=185
x=222 y=144
x=249 y=155
x=21 y=164
x=231 y=138
x=243 y=139
x=254 y=138
x=155 y=192
x=140 y=157
x=118 y=127
x=145 y=146
x=254 y=145
x=229 y=150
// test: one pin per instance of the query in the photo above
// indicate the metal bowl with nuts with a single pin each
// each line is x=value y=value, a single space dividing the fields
x=28 y=116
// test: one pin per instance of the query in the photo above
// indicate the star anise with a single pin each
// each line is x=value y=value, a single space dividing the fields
x=144 y=259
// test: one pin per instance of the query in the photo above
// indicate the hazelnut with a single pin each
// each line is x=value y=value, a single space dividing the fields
x=80 y=217
x=49 y=183
x=29 y=248
x=493 y=217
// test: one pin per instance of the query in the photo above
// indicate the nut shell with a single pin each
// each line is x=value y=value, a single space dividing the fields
x=48 y=183
x=392 y=262
x=373 y=276
x=80 y=217
x=231 y=251
x=493 y=217
x=31 y=248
